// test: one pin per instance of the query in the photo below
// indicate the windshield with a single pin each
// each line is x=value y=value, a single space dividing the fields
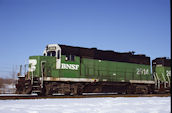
x=51 y=53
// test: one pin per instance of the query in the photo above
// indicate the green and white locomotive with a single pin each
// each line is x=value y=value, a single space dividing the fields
x=72 y=70
x=161 y=68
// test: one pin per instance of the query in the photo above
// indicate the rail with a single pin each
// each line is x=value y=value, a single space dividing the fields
x=29 y=96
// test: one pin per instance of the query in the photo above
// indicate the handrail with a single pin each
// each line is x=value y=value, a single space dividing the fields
x=158 y=83
x=42 y=73
x=169 y=82
x=155 y=79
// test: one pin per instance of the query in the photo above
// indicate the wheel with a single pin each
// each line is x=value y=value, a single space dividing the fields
x=47 y=90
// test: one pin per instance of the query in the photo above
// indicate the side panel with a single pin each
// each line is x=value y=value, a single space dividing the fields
x=114 y=71
x=70 y=69
x=48 y=62
x=34 y=66
x=163 y=73
x=92 y=69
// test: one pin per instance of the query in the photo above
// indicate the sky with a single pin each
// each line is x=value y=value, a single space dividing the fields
x=27 y=26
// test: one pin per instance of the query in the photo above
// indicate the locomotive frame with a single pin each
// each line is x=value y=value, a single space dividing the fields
x=72 y=70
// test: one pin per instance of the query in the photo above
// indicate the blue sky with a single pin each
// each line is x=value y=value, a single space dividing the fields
x=27 y=26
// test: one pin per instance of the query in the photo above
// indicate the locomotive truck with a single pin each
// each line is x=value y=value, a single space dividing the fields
x=70 y=70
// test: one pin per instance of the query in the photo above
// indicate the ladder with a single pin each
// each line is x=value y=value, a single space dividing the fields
x=36 y=86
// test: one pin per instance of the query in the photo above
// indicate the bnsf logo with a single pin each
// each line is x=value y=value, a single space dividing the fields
x=32 y=63
x=69 y=66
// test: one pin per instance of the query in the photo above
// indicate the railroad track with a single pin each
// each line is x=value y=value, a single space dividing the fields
x=14 y=96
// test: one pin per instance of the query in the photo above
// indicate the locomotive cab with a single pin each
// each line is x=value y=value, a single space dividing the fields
x=54 y=50
x=40 y=67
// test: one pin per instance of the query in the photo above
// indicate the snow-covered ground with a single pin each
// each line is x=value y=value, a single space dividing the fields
x=88 y=105
x=8 y=88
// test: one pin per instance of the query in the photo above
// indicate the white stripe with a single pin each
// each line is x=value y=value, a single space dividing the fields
x=91 y=80
x=71 y=79
x=142 y=81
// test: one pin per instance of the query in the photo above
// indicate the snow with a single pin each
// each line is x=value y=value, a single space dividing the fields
x=8 y=88
x=88 y=105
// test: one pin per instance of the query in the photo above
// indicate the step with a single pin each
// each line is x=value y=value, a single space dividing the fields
x=27 y=83
x=36 y=91
x=35 y=81
x=36 y=78
x=27 y=87
x=36 y=86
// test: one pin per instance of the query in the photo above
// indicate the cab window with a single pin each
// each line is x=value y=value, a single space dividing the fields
x=51 y=53
x=58 y=54
x=70 y=58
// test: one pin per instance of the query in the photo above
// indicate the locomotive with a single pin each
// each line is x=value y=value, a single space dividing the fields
x=70 y=70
